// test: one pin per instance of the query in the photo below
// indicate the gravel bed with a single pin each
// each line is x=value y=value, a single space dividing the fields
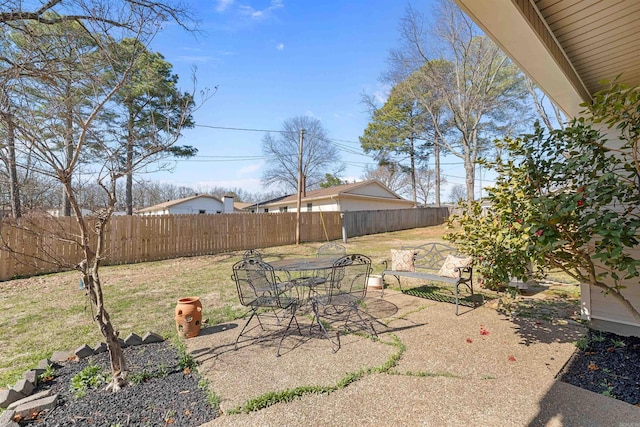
x=169 y=397
x=608 y=364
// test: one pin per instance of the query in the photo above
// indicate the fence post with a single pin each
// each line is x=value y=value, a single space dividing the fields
x=344 y=229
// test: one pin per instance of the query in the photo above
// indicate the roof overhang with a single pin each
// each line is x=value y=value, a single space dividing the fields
x=565 y=46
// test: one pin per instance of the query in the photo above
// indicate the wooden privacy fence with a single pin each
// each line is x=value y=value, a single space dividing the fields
x=45 y=245
x=361 y=223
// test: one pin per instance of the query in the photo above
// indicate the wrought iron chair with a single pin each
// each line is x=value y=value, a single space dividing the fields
x=342 y=295
x=328 y=250
x=259 y=289
x=331 y=249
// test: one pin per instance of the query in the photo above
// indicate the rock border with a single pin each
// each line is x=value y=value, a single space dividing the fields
x=19 y=401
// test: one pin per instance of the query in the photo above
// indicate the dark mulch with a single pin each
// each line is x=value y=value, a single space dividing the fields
x=169 y=397
x=608 y=364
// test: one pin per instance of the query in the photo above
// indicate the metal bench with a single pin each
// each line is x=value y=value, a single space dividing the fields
x=428 y=258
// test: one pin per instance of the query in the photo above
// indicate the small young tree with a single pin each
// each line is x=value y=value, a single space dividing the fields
x=62 y=133
x=565 y=199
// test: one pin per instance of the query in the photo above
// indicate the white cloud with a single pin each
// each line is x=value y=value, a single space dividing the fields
x=261 y=14
x=280 y=46
x=223 y=5
x=251 y=168
x=380 y=96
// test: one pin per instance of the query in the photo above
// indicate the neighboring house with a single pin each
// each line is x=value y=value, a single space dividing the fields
x=359 y=196
x=240 y=206
x=198 y=204
x=83 y=211
x=567 y=48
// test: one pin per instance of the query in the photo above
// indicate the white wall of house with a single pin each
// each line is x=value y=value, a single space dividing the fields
x=343 y=205
x=204 y=205
x=372 y=205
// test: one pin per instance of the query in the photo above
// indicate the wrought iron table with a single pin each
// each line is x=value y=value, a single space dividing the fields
x=305 y=273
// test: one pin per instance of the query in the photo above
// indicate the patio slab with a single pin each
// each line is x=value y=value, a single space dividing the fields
x=480 y=368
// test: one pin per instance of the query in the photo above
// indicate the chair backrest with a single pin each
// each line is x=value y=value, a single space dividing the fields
x=252 y=253
x=349 y=275
x=256 y=283
x=331 y=249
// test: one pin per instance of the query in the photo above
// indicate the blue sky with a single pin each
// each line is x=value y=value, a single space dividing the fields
x=273 y=60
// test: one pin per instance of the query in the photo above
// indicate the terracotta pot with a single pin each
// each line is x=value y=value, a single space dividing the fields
x=188 y=317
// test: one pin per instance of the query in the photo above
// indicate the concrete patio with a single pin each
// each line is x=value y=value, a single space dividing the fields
x=429 y=367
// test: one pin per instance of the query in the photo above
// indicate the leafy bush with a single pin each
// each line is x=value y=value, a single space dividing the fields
x=565 y=199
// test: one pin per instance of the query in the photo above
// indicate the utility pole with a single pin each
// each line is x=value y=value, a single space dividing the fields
x=300 y=181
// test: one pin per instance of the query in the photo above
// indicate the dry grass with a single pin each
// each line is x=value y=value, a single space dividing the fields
x=39 y=315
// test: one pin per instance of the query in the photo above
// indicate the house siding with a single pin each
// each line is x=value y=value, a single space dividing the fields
x=366 y=205
x=606 y=313
x=190 y=207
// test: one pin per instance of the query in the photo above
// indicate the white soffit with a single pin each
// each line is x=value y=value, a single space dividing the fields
x=565 y=46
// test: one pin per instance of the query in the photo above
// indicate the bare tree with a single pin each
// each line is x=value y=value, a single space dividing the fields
x=319 y=155
x=43 y=126
x=481 y=91
x=426 y=185
x=553 y=119
x=457 y=193
x=393 y=178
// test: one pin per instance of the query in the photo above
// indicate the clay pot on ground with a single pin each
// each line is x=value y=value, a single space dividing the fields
x=188 y=317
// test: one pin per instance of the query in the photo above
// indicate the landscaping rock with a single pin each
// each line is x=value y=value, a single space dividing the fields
x=101 y=347
x=133 y=340
x=62 y=356
x=24 y=387
x=31 y=409
x=83 y=351
x=8 y=396
x=44 y=364
x=6 y=419
x=151 y=337
x=35 y=396
x=32 y=375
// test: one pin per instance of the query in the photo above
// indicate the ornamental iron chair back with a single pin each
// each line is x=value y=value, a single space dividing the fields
x=252 y=253
x=331 y=250
x=342 y=295
x=259 y=289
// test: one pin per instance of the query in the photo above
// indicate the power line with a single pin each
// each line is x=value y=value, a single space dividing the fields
x=239 y=129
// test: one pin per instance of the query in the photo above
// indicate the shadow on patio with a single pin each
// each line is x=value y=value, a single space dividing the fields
x=429 y=367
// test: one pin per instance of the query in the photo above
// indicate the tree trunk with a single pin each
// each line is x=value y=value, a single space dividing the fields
x=116 y=355
x=89 y=268
x=69 y=151
x=413 y=172
x=436 y=154
x=470 y=171
x=10 y=160
x=14 y=187
x=129 y=166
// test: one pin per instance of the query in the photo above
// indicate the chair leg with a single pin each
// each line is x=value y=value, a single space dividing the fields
x=253 y=313
x=284 y=334
x=316 y=318
x=369 y=325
